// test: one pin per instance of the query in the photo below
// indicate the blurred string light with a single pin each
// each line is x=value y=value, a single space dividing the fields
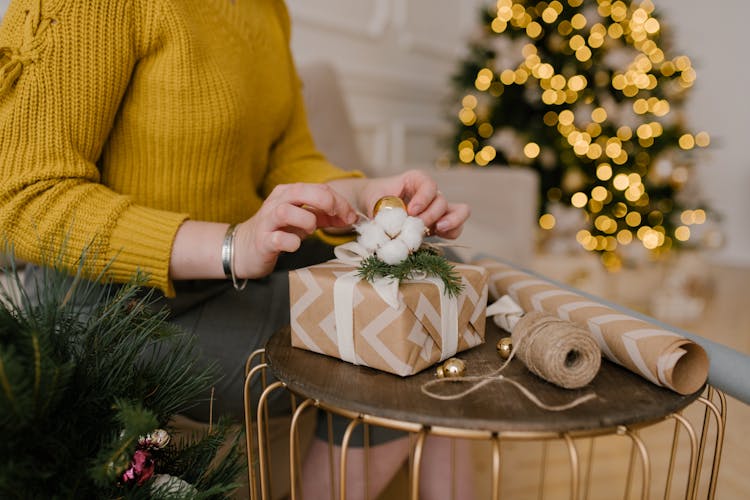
x=587 y=93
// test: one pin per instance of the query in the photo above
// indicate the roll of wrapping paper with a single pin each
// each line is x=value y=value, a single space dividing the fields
x=656 y=354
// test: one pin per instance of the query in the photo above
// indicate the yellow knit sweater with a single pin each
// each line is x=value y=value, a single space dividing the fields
x=119 y=119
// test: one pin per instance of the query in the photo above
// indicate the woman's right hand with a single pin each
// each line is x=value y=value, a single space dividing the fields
x=289 y=214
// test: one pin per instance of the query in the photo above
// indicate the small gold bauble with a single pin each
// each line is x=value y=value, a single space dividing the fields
x=388 y=202
x=452 y=367
x=504 y=347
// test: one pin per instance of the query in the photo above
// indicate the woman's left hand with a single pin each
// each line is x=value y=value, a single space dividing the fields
x=423 y=199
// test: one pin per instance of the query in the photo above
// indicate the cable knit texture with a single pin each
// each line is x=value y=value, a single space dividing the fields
x=119 y=119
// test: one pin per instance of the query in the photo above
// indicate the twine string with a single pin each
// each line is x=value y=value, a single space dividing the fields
x=556 y=350
x=497 y=377
x=533 y=340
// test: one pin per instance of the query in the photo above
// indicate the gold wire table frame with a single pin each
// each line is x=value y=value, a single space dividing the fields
x=688 y=430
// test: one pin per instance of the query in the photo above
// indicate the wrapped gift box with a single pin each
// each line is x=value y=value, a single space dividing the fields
x=423 y=327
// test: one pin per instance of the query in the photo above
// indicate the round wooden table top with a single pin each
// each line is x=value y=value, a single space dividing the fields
x=622 y=398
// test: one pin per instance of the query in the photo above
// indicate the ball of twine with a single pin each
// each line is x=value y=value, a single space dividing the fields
x=556 y=350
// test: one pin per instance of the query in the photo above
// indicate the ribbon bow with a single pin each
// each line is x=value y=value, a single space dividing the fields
x=354 y=253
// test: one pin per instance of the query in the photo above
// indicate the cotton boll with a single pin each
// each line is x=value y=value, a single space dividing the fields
x=393 y=252
x=412 y=233
x=371 y=236
x=391 y=220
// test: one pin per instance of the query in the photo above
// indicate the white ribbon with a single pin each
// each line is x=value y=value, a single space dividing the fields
x=387 y=288
x=353 y=253
x=448 y=318
x=505 y=312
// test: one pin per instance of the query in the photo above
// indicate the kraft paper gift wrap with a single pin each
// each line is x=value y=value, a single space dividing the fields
x=656 y=354
x=334 y=312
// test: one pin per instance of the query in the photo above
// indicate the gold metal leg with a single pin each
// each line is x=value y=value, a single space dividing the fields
x=589 y=470
x=261 y=353
x=645 y=465
x=575 y=473
x=691 y=490
x=416 y=464
x=331 y=464
x=672 y=459
x=294 y=451
x=495 y=467
x=252 y=479
x=344 y=451
x=718 y=445
x=265 y=488
x=366 y=461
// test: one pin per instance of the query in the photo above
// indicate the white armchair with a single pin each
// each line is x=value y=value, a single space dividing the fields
x=503 y=200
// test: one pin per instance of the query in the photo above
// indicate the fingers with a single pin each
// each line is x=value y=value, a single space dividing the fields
x=420 y=189
x=425 y=201
x=286 y=215
x=434 y=211
x=284 y=241
x=294 y=211
x=451 y=223
x=320 y=199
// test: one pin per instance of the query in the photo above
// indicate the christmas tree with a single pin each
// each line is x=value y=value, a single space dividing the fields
x=586 y=93
x=89 y=379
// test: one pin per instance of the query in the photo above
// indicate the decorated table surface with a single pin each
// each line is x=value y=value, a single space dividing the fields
x=621 y=397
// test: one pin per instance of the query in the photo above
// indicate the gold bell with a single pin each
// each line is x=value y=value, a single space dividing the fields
x=452 y=367
x=504 y=347
x=388 y=202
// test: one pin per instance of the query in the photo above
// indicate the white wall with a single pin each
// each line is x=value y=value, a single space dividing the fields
x=396 y=57
x=713 y=35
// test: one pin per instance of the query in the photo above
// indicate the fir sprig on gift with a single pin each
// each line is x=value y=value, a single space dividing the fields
x=85 y=370
x=425 y=260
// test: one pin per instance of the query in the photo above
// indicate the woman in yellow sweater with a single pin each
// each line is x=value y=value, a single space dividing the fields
x=169 y=138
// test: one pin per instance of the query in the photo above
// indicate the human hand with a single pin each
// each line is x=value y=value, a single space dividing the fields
x=289 y=214
x=423 y=199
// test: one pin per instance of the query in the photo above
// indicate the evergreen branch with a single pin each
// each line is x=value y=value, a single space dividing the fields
x=425 y=260
x=87 y=367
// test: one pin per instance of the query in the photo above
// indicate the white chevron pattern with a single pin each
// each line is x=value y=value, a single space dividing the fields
x=328 y=324
x=311 y=294
x=376 y=326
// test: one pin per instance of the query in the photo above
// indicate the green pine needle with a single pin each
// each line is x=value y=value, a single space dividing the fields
x=85 y=370
x=425 y=260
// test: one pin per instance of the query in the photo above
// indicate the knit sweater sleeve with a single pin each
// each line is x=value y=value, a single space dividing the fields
x=294 y=157
x=63 y=73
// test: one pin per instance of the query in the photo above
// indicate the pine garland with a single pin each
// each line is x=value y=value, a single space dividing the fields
x=426 y=260
x=85 y=371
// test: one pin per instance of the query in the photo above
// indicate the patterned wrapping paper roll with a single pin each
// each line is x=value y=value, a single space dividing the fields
x=658 y=355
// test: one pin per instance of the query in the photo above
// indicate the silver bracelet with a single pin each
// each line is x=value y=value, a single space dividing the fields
x=227 y=257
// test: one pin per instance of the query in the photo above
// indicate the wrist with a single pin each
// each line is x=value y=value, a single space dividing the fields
x=228 y=257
